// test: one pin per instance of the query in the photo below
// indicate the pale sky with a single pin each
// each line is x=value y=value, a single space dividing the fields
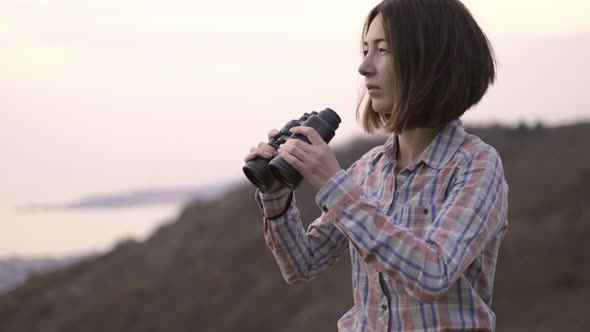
x=100 y=96
x=159 y=91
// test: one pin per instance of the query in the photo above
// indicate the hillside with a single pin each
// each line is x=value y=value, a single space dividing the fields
x=211 y=271
x=15 y=271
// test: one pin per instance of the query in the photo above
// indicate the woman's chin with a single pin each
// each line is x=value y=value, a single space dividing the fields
x=380 y=107
x=381 y=110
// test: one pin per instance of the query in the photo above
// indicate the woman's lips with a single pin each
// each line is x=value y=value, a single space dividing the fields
x=373 y=90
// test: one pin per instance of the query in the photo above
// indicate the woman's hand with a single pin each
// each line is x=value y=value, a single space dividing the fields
x=263 y=149
x=316 y=161
x=266 y=151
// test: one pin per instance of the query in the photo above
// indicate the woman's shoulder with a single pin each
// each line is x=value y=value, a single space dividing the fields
x=474 y=149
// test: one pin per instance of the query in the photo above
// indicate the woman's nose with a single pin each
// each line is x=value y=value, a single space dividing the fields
x=366 y=68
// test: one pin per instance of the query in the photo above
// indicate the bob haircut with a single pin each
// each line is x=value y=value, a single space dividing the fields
x=442 y=62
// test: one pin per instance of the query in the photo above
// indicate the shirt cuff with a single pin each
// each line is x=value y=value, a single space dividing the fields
x=338 y=191
x=274 y=204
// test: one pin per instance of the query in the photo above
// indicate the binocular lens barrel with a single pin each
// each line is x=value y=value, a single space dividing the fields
x=259 y=174
x=264 y=174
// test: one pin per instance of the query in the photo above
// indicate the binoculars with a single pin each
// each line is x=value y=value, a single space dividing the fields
x=265 y=174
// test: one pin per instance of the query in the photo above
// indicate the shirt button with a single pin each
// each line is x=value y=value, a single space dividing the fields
x=425 y=211
x=383 y=307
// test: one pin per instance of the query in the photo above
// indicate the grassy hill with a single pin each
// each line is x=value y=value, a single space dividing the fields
x=211 y=271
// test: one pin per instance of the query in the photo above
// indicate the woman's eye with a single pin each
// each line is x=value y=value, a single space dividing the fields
x=365 y=53
x=383 y=50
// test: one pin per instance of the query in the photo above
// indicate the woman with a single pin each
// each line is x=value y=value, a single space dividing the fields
x=422 y=215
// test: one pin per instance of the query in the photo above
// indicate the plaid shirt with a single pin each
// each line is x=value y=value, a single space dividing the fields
x=423 y=241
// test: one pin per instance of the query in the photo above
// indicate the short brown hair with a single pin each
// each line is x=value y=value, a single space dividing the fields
x=443 y=63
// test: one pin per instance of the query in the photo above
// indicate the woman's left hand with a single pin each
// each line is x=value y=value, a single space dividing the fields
x=316 y=161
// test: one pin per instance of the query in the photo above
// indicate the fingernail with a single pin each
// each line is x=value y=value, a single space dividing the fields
x=268 y=154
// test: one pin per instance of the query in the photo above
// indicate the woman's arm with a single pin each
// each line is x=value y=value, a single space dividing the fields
x=471 y=215
x=300 y=254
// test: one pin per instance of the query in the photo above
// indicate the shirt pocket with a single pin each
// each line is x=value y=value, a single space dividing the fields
x=417 y=218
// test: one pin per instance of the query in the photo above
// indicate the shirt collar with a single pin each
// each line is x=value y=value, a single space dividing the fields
x=440 y=151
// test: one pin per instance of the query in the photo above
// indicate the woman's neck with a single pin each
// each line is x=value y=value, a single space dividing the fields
x=411 y=144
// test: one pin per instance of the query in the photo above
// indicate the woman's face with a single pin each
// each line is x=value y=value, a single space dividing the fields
x=377 y=67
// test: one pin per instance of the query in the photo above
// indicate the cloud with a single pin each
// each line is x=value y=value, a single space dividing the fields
x=136 y=198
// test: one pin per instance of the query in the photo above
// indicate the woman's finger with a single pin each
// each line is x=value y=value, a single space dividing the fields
x=271 y=134
x=266 y=150
x=249 y=157
x=299 y=144
x=296 y=151
x=292 y=160
x=311 y=134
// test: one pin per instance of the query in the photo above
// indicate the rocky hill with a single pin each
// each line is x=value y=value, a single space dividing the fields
x=211 y=271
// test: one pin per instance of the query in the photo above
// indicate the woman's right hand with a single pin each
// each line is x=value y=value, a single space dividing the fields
x=263 y=149
x=266 y=151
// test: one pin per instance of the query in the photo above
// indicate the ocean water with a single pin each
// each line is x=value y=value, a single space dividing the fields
x=65 y=232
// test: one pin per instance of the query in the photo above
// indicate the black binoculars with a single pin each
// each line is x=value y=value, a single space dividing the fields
x=264 y=173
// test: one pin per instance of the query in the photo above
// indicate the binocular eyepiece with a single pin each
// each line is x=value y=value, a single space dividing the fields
x=265 y=174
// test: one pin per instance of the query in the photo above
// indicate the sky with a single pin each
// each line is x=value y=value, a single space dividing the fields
x=106 y=96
